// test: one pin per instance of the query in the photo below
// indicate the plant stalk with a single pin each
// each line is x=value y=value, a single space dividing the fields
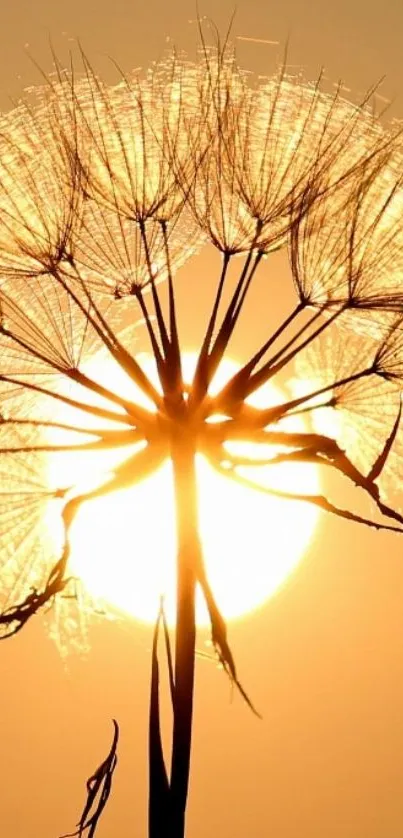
x=188 y=557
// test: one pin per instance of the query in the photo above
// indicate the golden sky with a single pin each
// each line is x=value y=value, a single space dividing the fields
x=323 y=660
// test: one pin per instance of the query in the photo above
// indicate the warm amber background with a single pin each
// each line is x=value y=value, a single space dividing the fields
x=324 y=659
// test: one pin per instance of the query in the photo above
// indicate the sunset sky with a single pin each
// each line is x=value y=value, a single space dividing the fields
x=323 y=659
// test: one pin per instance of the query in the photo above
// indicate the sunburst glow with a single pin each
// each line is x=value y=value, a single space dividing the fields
x=123 y=545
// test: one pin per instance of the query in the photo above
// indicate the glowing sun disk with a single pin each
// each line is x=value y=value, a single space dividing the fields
x=123 y=545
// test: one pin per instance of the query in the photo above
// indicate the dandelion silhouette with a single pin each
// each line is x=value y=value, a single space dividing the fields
x=104 y=193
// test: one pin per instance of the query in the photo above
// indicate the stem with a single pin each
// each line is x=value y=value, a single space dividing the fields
x=230 y=391
x=227 y=326
x=153 y=340
x=269 y=369
x=157 y=305
x=110 y=340
x=93 y=410
x=174 y=361
x=200 y=381
x=189 y=556
x=173 y=325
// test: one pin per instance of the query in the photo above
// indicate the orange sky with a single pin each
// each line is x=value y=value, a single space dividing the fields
x=323 y=660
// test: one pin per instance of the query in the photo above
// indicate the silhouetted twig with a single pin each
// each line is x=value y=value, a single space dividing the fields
x=98 y=790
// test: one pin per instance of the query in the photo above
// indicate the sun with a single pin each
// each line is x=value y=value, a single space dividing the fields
x=123 y=544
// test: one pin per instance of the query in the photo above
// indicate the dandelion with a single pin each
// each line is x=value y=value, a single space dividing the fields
x=349 y=254
x=105 y=192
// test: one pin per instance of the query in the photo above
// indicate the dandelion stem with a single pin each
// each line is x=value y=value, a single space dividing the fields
x=231 y=316
x=153 y=340
x=234 y=385
x=189 y=557
x=200 y=383
x=111 y=341
x=93 y=410
x=140 y=414
x=157 y=305
x=173 y=326
x=269 y=369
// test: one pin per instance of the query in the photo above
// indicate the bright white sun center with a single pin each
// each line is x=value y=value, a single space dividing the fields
x=123 y=545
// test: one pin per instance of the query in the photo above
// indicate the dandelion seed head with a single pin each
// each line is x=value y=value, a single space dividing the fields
x=363 y=410
x=106 y=191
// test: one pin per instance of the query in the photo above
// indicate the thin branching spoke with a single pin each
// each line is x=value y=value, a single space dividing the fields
x=316 y=500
